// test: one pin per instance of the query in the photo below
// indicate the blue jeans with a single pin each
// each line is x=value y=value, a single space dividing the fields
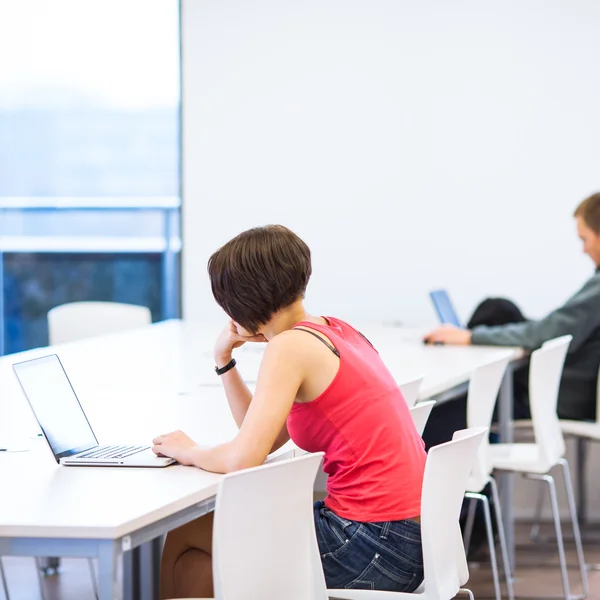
x=369 y=556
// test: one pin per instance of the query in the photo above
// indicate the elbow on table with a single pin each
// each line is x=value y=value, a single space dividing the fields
x=238 y=460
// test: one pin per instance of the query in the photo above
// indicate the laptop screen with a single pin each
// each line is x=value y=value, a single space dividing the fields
x=55 y=405
x=444 y=308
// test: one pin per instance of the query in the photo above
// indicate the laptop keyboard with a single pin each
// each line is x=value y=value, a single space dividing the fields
x=113 y=452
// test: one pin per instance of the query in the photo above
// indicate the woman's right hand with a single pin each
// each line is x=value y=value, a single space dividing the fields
x=228 y=340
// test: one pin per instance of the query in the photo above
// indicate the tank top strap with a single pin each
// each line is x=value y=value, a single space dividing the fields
x=307 y=329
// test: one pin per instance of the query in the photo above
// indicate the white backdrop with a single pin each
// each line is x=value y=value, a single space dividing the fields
x=412 y=144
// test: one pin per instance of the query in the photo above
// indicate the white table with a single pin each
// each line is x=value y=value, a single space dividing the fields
x=134 y=386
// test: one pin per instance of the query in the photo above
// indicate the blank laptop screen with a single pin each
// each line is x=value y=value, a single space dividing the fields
x=444 y=308
x=55 y=405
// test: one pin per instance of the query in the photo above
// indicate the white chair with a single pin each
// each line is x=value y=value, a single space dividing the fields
x=264 y=540
x=535 y=460
x=585 y=432
x=446 y=474
x=410 y=390
x=420 y=414
x=80 y=320
x=484 y=386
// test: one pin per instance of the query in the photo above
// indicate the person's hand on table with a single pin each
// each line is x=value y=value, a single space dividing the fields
x=233 y=336
x=175 y=445
x=448 y=334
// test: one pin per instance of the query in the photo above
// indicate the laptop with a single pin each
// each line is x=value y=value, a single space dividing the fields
x=444 y=308
x=65 y=425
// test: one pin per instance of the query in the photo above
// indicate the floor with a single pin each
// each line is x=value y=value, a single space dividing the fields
x=537 y=568
x=74 y=581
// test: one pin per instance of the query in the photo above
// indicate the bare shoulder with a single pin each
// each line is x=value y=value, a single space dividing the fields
x=295 y=343
x=285 y=353
x=286 y=342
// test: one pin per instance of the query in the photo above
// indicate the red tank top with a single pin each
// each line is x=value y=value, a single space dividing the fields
x=374 y=456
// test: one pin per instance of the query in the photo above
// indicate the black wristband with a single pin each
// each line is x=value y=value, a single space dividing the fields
x=226 y=368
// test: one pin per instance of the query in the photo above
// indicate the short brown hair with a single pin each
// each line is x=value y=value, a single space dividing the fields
x=589 y=211
x=259 y=272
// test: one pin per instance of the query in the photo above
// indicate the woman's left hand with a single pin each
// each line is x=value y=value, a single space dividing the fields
x=175 y=445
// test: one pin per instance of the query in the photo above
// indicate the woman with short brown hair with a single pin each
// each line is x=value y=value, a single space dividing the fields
x=323 y=384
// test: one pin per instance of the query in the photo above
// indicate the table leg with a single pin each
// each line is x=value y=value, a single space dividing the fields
x=131 y=574
x=150 y=569
x=3 y=580
x=505 y=419
x=141 y=571
x=108 y=584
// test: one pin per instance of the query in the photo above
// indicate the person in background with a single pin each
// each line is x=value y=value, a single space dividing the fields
x=579 y=317
x=499 y=322
x=322 y=384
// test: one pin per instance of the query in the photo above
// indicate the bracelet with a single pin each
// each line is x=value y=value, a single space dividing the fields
x=226 y=368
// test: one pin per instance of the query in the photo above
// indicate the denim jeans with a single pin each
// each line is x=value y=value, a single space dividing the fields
x=369 y=556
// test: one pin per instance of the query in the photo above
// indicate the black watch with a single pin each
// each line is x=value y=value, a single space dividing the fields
x=226 y=368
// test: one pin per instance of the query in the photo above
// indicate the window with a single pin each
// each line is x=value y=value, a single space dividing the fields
x=89 y=158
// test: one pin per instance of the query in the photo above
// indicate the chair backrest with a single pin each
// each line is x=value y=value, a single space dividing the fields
x=484 y=386
x=446 y=474
x=545 y=372
x=420 y=413
x=410 y=390
x=264 y=540
x=80 y=320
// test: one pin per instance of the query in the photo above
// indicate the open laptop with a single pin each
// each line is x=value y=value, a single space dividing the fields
x=444 y=308
x=64 y=424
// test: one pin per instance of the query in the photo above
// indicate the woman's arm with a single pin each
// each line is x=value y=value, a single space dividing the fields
x=239 y=398
x=263 y=427
x=237 y=392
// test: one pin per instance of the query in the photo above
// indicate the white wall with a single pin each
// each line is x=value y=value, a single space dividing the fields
x=412 y=144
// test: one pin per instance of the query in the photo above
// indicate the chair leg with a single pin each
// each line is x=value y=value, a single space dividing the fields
x=575 y=524
x=469 y=525
x=468 y=592
x=490 y=536
x=49 y=565
x=502 y=536
x=93 y=576
x=3 y=578
x=582 y=456
x=558 y=531
x=534 y=534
